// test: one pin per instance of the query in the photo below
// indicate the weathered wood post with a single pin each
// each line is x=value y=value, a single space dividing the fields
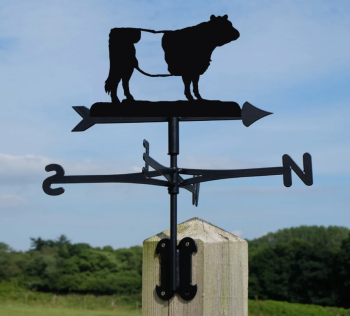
x=219 y=268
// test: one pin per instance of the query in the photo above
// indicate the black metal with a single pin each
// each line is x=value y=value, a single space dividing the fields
x=289 y=164
x=213 y=108
x=173 y=151
x=192 y=185
x=184 y=251
x=249 y=114
x=173 y=137
x=149 y=161
x=195 y=194
x=286 y=171
x=60 y=178
x=186 y=247
x=164 y=290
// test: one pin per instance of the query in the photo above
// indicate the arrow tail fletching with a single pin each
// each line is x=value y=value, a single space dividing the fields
x=86 y=122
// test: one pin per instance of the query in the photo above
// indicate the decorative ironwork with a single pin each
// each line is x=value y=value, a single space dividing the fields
x=176 y=260
x=187 y=53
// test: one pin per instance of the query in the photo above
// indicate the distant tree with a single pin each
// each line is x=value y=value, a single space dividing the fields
x=326 y=237
x=296 y=272
x=77 y=249
x=131 y=258
x=39 y=243
x=108 y=248
x=342 y=270
x=4 y=247
x=62 y=241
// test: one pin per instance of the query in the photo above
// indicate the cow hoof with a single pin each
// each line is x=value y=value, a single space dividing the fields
x=189 y=97
x=198 y=96
x=128 y=100
x=115 y=101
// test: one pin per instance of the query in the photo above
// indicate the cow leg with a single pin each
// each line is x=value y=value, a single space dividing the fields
x=114 y=89
x=187 y=81
x=125 y=79
x=195 y=80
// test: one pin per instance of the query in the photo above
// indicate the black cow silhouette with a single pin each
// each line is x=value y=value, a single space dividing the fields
x=187 y=53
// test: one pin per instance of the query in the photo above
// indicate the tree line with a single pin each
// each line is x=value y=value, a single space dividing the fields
x=306 y=264
x=62 y=267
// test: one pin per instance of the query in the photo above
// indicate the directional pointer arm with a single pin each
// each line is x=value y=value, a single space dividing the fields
x=61 y=178
x=210 y=175
x=286 y=171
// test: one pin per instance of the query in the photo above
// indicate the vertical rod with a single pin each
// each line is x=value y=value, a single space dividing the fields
x=173 y=138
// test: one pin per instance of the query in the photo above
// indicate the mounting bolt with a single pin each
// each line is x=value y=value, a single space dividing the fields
x=163 y=293
x=187 y=244
x=163 y=245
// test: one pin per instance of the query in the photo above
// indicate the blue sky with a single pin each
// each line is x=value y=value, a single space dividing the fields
x=292 y=59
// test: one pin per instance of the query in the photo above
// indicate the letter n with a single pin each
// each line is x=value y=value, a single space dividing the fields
x=289 y=164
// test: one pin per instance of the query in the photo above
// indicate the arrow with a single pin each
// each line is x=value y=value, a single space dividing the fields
x=213 y=111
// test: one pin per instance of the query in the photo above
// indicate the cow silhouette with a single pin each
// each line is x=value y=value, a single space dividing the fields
x=187 y=53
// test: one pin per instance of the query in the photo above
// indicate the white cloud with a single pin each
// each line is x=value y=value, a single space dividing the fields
x=237 y=233
x=29 y=169
x=12 y=201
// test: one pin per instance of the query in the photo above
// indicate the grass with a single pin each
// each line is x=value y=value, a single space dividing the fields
x=274 y=308
x=24 y=303
x=260 y=308
x=18 y=309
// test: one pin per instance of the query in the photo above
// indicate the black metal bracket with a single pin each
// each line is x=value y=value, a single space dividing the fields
x=184 y=286
x=168 y=174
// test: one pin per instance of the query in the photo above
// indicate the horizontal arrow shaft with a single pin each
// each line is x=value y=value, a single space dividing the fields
x=103 y=113
x=210 y=175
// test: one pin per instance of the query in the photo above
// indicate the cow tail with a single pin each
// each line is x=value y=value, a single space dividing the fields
x=108 y=87
x=149 y=75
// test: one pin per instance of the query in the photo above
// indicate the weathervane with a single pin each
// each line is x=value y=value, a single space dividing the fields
x=187 y=52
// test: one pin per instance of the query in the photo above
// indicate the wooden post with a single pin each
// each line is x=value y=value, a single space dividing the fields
x=219 y=268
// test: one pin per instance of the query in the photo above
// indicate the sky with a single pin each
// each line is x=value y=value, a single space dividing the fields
x=292 y=59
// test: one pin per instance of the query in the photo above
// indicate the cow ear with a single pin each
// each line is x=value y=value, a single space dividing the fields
x=212 y=17
x=225 y=16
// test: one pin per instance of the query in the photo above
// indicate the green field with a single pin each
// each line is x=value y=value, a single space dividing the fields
x=25 y=310
x=45 y=304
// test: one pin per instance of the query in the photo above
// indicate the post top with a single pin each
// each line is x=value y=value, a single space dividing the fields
x=198 y=228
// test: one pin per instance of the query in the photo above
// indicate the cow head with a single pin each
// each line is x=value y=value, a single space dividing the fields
x=222 y=30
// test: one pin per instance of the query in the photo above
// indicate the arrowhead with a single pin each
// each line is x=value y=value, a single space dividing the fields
x=86 y=122
x=251 y=114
